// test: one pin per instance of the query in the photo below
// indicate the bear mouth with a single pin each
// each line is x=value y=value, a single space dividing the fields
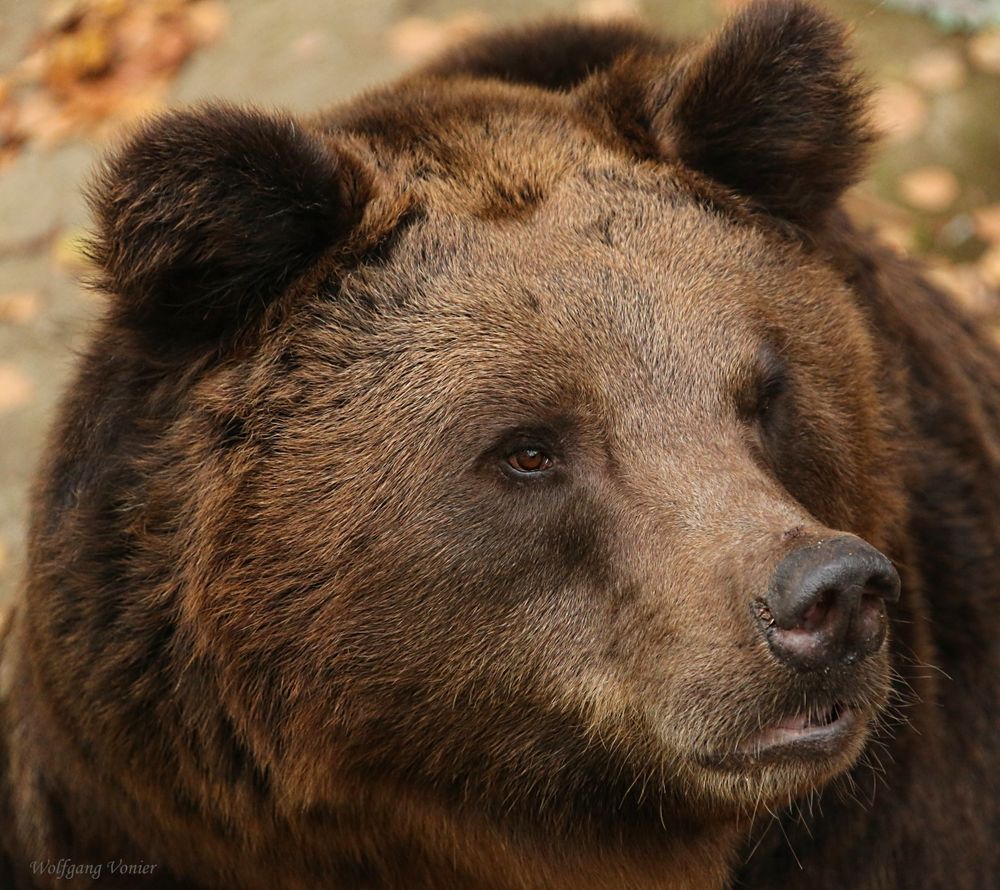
x=821 y=731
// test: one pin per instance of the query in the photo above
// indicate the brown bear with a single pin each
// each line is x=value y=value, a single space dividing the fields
x=523 y=476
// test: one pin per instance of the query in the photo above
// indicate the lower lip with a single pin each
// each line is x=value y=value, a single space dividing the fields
x=790 y=738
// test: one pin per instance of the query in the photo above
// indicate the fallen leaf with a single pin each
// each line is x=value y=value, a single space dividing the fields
x=939 y=70
x=987 y=222
x=41 y=117
x=864 y=203
x=968 y=287
x=18 y=307
x=984 y=51
x=95 y=62
x=109 y=9
x=418 y=38
x=608 y=10
x=135 y=104
x=78 y=55
x=208 y=21
x=932 y=189
x=989 y=266
x=31 y=67
x=63 y=14
x=151 y=45
x=901 y=238
x=415 y=38
x=16 y=389
x=900 y=111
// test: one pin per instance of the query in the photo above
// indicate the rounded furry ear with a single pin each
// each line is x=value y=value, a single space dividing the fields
x=771 y=108
x=205 y=215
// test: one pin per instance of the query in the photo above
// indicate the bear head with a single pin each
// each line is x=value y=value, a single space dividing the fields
x=501 y=447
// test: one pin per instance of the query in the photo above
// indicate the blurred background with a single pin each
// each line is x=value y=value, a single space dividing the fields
x=73 y=73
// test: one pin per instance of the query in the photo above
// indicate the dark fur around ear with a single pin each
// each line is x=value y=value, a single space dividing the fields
x=556 y=54
x=770 y=108
x=206 y=214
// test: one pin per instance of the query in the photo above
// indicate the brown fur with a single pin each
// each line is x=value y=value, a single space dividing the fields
x=290 y=624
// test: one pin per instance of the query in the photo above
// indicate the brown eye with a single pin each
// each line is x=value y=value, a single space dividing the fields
x=529 y=460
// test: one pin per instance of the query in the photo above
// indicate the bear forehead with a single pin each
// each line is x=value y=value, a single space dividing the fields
x=608 y=248
x=512 y=185
x=618 y=288
x=485 y=149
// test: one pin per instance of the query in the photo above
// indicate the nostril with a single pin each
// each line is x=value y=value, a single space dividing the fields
x=815 y=616
x=871 y=610
x=868 y=627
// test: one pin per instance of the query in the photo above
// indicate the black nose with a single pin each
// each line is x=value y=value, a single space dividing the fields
x=826 y=604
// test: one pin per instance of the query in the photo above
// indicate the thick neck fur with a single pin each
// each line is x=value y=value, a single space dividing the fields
x=371 y=840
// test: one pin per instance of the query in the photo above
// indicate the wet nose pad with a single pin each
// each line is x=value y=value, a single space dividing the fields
x=826 y=604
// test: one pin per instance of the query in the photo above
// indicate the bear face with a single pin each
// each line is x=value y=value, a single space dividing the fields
x=470 y=448
x=677 y=463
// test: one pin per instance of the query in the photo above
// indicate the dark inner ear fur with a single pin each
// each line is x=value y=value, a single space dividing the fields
x=205 y=215
x=770 y=108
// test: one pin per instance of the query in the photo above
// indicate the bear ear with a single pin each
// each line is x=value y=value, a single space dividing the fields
x=771 y=108
x=205 y=215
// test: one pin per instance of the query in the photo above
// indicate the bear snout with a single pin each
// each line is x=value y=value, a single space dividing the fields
x=826 y=604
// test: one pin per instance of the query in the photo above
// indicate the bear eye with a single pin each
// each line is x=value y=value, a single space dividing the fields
x=770 y=389
x=529 y=461
x=770 y=382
